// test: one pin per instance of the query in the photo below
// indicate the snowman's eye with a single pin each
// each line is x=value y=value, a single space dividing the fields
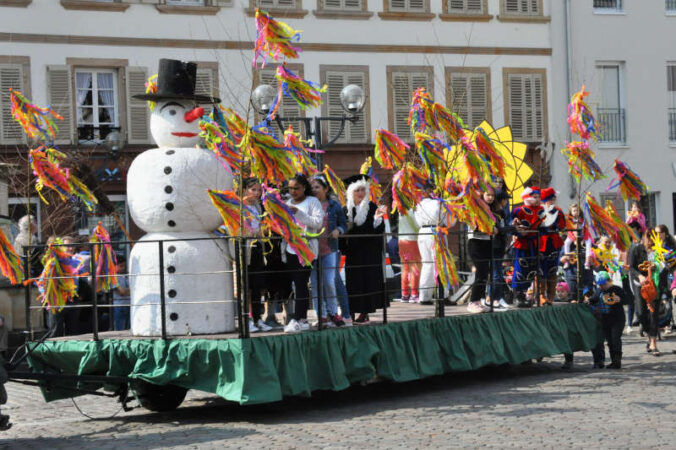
x=172 y=112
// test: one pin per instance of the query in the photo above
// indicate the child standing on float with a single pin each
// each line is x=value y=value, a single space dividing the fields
x=481 y=252
x=526 y=219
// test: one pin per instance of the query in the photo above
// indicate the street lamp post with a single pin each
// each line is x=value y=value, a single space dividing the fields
x=352 y=99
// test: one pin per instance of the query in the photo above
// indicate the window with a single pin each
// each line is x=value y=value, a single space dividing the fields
x=649 y=207
x=343 y=5
x=468 y=94
x=289 y=107
x=525 y=103
x=97 y=103
x=609 y=5
x=277 y=4
x=401 y=83
x=408 y=5
x=670 y=6
x=335 y=78
x=17 y=209
x=522 y=7
x=671 y=93
x=11 y=76
x=466 y=6
x=186 y=2
x=611 y=113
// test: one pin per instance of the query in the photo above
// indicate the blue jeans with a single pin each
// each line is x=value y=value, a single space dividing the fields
x=341 y=290
x=497 y=290
x=121 y=316
x=330 y=264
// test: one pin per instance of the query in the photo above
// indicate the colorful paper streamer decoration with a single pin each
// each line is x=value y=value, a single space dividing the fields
x=221 y=141
x=581 y=121
x=56 y=283
x=45 y=163
x=305 y=93
x=444 y=263
x=336 y=184
x=106 y=260
x=35 y=120
x=10 y=262
x=599 y=221
x=230 y=206
x=274 y=39
x=581 y=161
x=390 y=150
x=476 y=212
x=408 y=185
x=280 y=219
x=151 y=88
x=624 y=235
x=421 y=115
x=629 y=183
x=432 y=152
x=303 y=162
x=375 y=191
x=489 y=153
x=449 y=122
x=270 y=160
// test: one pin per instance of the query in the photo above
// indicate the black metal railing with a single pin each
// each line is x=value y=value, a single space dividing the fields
x=612 y=124
x=240 y=274
x=670 y=6
x=608 y=4
x=672 y=122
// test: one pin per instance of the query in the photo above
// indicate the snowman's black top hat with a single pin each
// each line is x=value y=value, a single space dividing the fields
x=176 y=81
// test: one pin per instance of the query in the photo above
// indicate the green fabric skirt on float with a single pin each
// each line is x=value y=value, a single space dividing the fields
x=267 y=368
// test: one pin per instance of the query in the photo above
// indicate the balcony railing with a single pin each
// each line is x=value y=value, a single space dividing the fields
x=670 y=6
x=672 y=125
x=608 y=4
x=612 y=123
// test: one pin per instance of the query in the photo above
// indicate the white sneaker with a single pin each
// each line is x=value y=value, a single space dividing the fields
x=504 y=304
x=292 y=327
x=628 y=330
x=475 y=308
x=262 y=327
x=304 y=326
x=252 y=327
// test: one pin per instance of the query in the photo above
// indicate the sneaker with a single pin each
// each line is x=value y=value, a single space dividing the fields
x=337 y=320
x=503 y=304
x=363 y=319
x=252 y=327
x=348 y=322
x=262 y=326
x=326 y=323
x=475 y=308
x=405 y=298
x=272 y=323
x=304 y=325
x=292 y=327
x=414 y=299
x=628 y=330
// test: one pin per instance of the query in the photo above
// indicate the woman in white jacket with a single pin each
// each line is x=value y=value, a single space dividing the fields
x=308 y=212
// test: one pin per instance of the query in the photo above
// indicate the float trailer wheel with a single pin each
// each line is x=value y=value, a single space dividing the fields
x=158 y=398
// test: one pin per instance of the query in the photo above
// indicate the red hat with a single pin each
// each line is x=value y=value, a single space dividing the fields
x=529 y=192
x=548 y=194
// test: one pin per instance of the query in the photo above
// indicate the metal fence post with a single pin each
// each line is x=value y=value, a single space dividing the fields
x=384 y=269
x=163 y=305
x=92 y=283
x=536 y=288
x=27 y=289
x=238 y=279
x=489 y=280
x=579 y=265
x=245 y=287
x=320 y=291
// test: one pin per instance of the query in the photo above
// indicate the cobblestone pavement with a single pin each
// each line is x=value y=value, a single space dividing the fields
x=527 y=406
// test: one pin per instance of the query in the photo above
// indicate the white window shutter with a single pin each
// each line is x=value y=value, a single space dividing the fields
x=356 y=131
x=478 y=99
x=403 y=86
x=475 y=6
x=460 y=96
x=526 y=106
x=512 y=6
x=204 y=83
x=353 y=132
x=138 y=113
x=516 y=105
x=59 y=88
x=11 y=76
x=398 y=5
x=333 y=4
x=416 y=5
x=353 y=5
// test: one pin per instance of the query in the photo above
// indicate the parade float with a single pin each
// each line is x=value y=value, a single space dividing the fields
x=189 y=326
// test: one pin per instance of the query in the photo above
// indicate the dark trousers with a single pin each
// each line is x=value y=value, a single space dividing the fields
x=481 y=252
x=300 y=276
x=256 y=280
x=612 y=332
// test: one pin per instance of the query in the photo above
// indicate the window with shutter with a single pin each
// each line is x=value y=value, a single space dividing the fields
x=205 y=82
x=281 y=4
x=138 y=113
x=526 y=105
x=61 y=100
x=466 y=6
x=11 y=76
x=522 y=7
x=408 y=5
x=470 y=96
x=343 y=5
x=289 y=107
x=335 y=80
x=671 y=93
x=402 y=86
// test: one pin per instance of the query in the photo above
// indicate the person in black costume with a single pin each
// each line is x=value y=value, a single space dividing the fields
x=363 y=255
x=606 y=303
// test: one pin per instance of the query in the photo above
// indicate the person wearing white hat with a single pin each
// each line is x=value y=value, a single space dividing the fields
x=527 y=219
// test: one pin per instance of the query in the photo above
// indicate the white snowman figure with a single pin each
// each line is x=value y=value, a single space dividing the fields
x=167 y=196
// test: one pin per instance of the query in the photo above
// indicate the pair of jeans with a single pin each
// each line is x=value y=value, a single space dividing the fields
x=497 y=290
x=300 y=276
x=410 y=267
x=480 y=251
x=121 y=316
x=329 y=263
x=341 y=291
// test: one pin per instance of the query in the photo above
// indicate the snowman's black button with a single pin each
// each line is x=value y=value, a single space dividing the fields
x=171 y=223
x=173 y=317
x=172 y=293
x=167 y=170
x=171 y=152
x=171 y=249
x=168 y=189
x=169 y=206
x=171 y=269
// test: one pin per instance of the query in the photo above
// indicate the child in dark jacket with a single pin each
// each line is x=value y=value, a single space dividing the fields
x=606 y=303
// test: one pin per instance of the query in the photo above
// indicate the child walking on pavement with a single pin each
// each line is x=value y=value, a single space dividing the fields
x=606 y=303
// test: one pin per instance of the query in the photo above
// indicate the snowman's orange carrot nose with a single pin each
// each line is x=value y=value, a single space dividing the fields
x=194 y=114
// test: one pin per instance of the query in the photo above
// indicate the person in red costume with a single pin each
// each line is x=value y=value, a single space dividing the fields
x=553 y=224
x=526 y=219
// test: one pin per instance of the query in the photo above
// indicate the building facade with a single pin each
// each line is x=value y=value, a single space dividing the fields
x=623 y=51
x=487 y=59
